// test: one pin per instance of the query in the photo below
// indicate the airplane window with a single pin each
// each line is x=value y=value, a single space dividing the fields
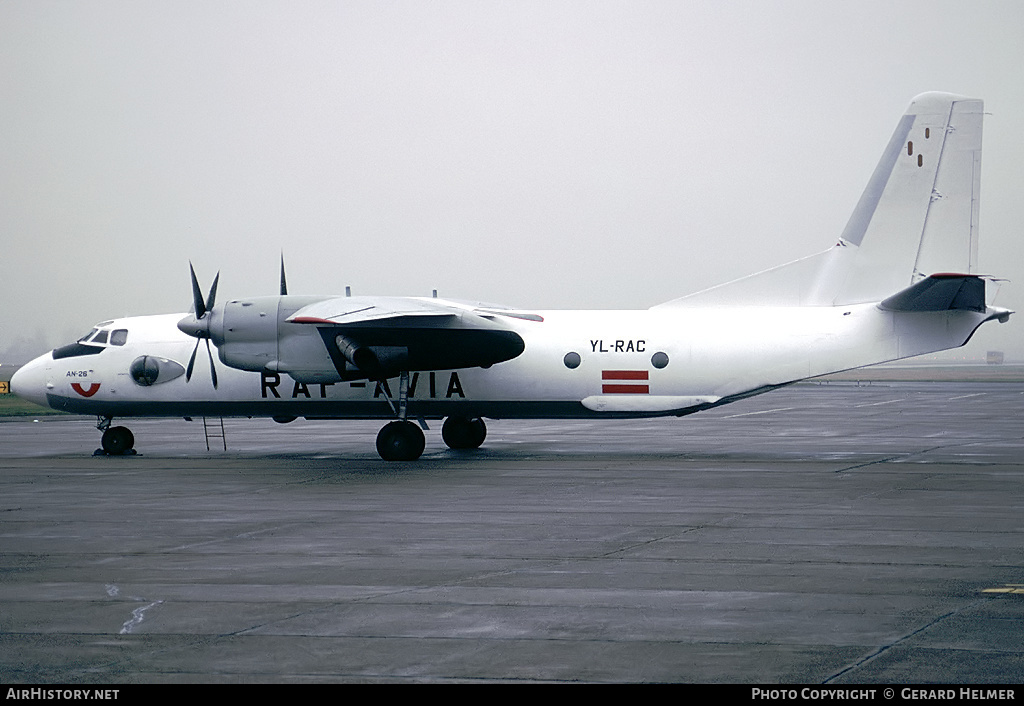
x=86 y=337
x=119 y=337
x=572 y=360
x=101 y=337
x=659 y=360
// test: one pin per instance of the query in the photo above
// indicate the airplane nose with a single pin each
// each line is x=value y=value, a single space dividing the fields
x=29 y=381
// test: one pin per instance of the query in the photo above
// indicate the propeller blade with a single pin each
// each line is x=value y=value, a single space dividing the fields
x=213 y=293
x=197 y=294
x=213 y=368
x=284 y=282
x=191 y=362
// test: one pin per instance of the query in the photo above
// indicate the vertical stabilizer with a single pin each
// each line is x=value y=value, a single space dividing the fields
x=919 y=212
x=918 y=216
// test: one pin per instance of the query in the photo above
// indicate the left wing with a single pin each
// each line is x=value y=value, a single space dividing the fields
x=380 y=337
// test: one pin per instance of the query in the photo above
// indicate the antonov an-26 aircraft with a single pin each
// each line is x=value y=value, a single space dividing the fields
x=900 y=281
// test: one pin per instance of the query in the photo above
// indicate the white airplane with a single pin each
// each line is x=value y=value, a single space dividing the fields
x=899 y=282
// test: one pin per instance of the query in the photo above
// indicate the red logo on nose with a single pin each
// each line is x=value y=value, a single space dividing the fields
x=93 y=389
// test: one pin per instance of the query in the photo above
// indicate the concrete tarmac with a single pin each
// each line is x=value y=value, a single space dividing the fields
x=818 y=534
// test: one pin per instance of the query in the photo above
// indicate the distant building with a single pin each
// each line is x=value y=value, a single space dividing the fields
x=994 y=357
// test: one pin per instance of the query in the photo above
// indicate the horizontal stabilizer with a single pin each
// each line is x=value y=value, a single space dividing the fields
x=944 y=292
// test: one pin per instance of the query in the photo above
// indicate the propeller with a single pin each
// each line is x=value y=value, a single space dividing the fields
x=198 y=325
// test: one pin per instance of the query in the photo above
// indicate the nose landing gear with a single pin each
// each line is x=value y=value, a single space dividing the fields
x=116 y=441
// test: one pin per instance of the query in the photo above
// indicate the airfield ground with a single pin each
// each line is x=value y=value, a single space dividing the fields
x=847 y=532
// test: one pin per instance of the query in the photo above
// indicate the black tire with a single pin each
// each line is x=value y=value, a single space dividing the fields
x=400 y=441
x=118 y=440
x=464 y=432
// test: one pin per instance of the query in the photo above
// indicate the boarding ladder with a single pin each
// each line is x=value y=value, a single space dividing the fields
x=214 y=429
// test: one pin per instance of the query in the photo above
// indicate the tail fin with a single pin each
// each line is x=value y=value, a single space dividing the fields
x=917 y=216
x=919 y=212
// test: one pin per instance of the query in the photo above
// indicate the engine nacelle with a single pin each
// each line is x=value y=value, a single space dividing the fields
x=253 y=334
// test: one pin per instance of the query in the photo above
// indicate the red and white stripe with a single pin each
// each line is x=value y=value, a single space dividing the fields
x=624 y=382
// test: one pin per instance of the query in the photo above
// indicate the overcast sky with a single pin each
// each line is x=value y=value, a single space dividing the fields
x=538 y=154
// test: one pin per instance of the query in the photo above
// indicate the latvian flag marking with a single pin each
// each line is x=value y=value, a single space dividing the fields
x=624 y=382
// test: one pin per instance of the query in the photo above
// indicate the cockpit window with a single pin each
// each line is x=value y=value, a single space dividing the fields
x=94 y=342
x=74 y=350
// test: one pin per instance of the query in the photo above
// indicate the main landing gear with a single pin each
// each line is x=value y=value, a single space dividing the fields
x=403 y=440
x=116 y=441
x=463 y=432
x=400 y=441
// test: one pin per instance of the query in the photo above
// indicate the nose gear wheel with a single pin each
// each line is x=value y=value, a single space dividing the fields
x=118 y=441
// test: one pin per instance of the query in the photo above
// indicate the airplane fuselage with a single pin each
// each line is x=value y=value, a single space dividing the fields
x=576 y=364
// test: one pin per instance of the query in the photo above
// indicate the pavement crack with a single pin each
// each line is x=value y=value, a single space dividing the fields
x=887 y=459
x=885 y=648
x=645 y=543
